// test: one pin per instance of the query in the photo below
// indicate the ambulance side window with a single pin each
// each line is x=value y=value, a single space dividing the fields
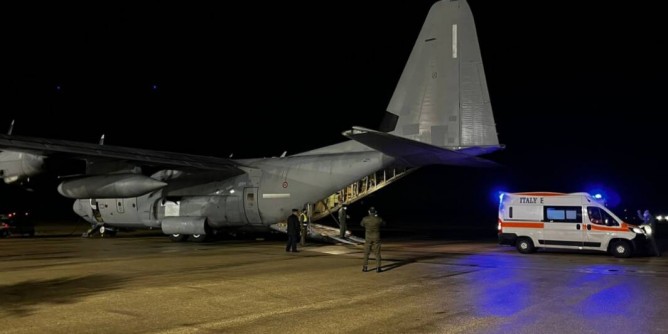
x=608 y=220
x=594 y=214
x=600 y=217
x=563 y=214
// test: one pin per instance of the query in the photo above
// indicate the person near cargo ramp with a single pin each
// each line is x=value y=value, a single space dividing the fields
x=648 y=219
x=372 y=224
x=293 y=231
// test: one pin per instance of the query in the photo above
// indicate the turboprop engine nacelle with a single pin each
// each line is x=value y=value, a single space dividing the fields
x=18 y=166
x=109 y=186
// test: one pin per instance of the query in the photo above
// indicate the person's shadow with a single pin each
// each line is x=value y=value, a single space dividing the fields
x=401 y=263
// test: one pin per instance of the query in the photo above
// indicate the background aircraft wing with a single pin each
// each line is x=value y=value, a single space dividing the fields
x=90 y=151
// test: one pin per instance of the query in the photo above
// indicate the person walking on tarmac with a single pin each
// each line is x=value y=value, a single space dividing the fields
x=293 y=231
x=372 y=224
x=648 y=219
x=343 y=217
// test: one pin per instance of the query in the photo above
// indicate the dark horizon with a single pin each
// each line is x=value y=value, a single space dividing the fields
x=576 y=90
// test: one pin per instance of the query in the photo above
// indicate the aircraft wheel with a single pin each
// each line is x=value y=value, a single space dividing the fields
x=197 y=237
x=178 y=237
x=107 y=232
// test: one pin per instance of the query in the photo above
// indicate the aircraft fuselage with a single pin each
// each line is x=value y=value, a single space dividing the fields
x=262 y=196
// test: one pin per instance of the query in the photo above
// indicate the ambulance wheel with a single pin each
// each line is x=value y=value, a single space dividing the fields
x=620 y=248
x=524 y=245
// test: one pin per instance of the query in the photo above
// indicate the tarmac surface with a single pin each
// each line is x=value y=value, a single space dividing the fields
x=58 y=282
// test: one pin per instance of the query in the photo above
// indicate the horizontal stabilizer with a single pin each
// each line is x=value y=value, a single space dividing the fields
x=415 y=154
x=480 y=150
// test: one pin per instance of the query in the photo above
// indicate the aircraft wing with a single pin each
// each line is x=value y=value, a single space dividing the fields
x=89 y=151
x=415 y=153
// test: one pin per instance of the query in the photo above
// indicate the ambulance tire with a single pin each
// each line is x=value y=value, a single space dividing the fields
x=525 y=245
x=620 y=248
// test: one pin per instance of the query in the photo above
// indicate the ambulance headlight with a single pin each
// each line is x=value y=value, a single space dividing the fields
x=648 y=229
x=637 y=230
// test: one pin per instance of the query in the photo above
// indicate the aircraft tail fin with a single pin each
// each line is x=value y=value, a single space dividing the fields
x=441 y=98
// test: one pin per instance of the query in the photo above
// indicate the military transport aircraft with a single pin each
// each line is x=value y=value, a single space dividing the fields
x=440 y=113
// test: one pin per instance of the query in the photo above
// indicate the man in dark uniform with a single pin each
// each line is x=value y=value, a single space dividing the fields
x=372 y=224
x=648 y=219
x=293 y=231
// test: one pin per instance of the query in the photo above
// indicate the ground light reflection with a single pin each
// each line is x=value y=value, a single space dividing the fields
x=520 y=299
x=501 y=292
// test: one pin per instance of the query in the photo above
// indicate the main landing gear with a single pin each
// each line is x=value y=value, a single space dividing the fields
x=101 y=229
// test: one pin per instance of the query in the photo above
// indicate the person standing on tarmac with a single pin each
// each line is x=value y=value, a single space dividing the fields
x=293 y=231
x=648 y=219
x=343 y=217
x=372 y=224
x=303 y=224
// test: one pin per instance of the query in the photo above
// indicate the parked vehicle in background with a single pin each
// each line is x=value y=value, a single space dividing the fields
x=16 y=223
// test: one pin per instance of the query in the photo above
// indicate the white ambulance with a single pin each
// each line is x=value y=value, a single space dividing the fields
x=531 y=220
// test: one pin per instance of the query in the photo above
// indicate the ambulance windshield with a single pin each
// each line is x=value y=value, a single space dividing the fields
x=600 y=217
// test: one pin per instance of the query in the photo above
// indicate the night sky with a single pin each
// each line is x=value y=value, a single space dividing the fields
x=577 y=90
